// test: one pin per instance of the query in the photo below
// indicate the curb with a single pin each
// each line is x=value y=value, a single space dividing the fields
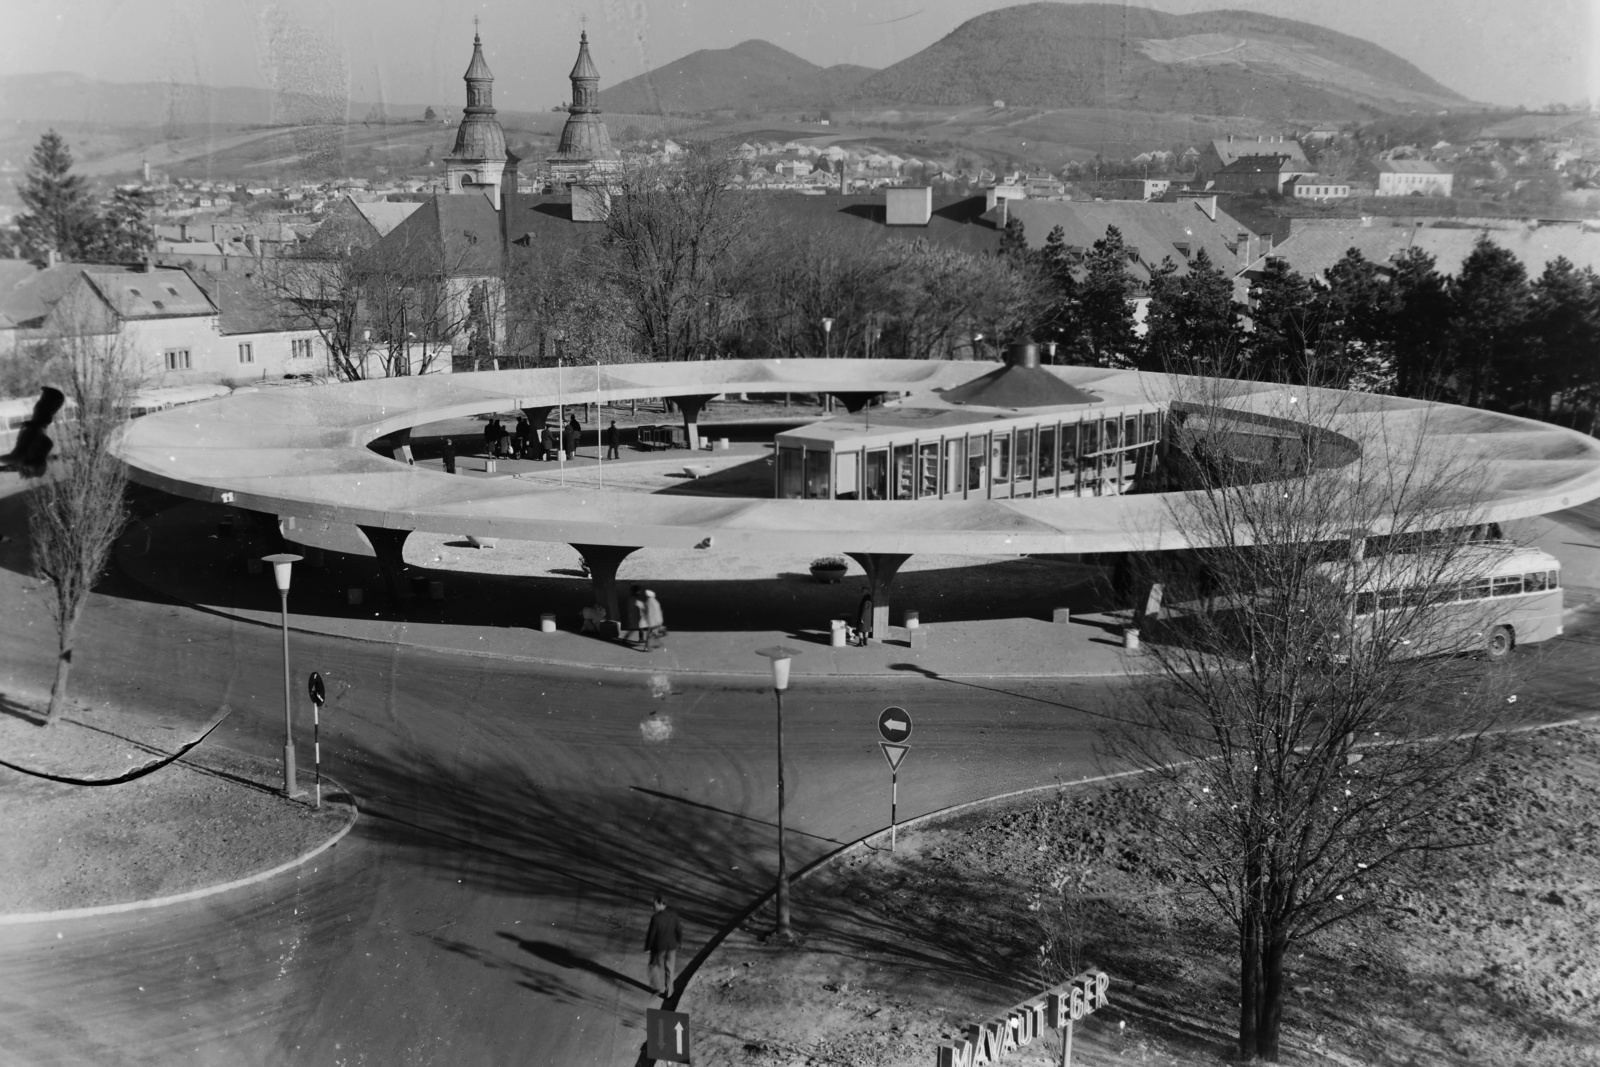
x=192 y=894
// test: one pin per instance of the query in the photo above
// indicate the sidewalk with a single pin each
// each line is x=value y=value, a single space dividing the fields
x=982 y=617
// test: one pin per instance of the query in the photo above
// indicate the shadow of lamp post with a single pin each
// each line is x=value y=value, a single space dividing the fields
x=282 y=564
x=780 y=657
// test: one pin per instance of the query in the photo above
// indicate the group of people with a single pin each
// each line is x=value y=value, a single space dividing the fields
x=522 y=441
x=643 y=618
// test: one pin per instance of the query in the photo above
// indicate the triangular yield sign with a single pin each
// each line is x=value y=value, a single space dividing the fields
x=894 y=753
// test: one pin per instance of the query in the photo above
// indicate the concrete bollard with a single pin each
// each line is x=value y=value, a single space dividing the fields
x=1130 y=638
x=547 y=623
x=917 y=637
x=489 y=465
x=837 y=633
x=1061 y=615
x=913 y=619
x=724 y=444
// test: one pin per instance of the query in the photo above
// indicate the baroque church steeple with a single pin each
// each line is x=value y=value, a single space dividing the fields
x=480 y=162
x=585 y=145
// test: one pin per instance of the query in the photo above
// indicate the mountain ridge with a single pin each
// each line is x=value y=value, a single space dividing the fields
x=751 y=75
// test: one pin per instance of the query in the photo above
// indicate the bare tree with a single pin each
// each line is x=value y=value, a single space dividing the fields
x=320 y=290
x=675 y=234
x=76 y=508
x=1305 y=728
x=564 y=302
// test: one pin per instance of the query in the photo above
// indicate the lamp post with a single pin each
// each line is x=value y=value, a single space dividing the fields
x=780 y=656
x=977 y=353
x=827 y=338
x=282 y=564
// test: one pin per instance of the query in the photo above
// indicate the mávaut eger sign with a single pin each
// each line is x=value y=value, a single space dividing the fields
x=991 y=1041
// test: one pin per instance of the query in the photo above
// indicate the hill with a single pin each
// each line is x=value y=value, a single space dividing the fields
x=1105 y=55
x=755 y=75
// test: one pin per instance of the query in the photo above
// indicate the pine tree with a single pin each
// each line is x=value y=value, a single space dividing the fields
x=1288 y=328
x=1193 y=322
x=122 y=234
x=1416 y=323
x=1564 y=337
x=1491 y=309
x=1105 y=314
x=60 y=215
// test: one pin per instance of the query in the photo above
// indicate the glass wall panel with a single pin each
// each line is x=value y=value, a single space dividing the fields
x=1090 y=444
x=790 y=484
x=955 y=463
x=977 y=464
x=1110 y=440
x=927 y=470
x=1069 y=457
x=845 y=479
x=875 y=485
x=1024 y=456
x=1130 y=430
x=1152 y=427
x=1000 y=457
x=819 y=471
x=905 y=486
x=1047 y=456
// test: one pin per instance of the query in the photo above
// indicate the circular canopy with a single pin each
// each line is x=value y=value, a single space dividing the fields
x=300 y=451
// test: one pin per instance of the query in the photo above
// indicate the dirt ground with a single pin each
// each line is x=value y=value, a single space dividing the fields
x=1496 y=962
x=212 y=817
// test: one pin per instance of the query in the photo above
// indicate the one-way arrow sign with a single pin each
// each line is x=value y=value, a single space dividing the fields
x=894 y=725
x=894 y=753
x=667 y=1035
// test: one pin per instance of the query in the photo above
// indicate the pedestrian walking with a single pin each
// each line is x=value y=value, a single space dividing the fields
x=654 y=621
x=550 y=443
x=662 y=940
x=571 y=436
x=864 y=617
x=613 y=441
x=448 y=454
x=634 y=614
x=519 y=443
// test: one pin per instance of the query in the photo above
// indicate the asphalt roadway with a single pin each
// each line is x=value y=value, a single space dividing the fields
x=491 y=904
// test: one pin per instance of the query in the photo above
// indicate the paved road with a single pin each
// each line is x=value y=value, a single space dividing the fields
x=490 y=906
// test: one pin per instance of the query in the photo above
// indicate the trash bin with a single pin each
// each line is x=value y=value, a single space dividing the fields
x=724 y=444
x=1130 y=638
x=547 y=623
x=837 y=634
x=913 y=620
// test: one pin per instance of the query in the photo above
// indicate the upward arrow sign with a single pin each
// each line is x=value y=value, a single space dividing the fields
x=679 y=1029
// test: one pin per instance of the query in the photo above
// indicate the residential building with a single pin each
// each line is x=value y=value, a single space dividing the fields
x=1413 y=177
x=1316 y=187
x=1223 y=151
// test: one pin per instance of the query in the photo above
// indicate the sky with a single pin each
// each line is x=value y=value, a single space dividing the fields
x=1510 y=52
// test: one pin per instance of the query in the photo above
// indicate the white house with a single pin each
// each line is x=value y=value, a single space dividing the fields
x=1413 y=177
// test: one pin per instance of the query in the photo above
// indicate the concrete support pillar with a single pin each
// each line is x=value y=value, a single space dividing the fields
x=691 y=406
x=603 y=561
x=854 y=402
x=389 y=546
x=881 y=567
x=537 y=417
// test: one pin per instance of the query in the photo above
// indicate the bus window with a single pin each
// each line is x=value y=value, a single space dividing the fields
x=905 y=487
x=1537 y=582
x=1475 y=590
x=955 y=460
x=876 y=485
x=819 y=485
x=1389 y=599
x=790 y=485
x=1508 y=585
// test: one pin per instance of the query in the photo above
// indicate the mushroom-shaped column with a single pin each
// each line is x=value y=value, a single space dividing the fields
x=854 y=402
x=603 y=561
x=389 y=546
x=690 y=406
x=881 y=567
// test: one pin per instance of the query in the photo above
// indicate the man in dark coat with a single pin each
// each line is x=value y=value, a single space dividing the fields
x=613 y=441
x=519 y=443
x=448 y=454
x=662 y=941
x=570 y=438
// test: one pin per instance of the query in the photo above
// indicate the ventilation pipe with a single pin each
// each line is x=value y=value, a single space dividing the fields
x=1022 y=354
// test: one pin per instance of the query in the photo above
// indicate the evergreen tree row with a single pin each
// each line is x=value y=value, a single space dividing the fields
x=63 y=216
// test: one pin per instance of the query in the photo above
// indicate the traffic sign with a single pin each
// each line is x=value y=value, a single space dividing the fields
x=319 y=694
x=894 y=725
x=666 y=1035
x=894 y=753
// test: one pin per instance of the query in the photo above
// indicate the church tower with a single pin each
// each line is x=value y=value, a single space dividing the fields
x=585 y=145
x=480 y=162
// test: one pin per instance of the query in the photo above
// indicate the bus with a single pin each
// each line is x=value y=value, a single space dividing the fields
x=1485 y=597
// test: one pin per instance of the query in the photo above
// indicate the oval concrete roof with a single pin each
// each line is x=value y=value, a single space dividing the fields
x=300 y=451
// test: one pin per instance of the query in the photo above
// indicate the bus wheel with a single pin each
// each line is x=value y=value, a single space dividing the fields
x=1499 y=644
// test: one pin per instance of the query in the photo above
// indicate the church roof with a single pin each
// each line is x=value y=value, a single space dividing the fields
x=480 y=137
x=584 y=137
x=1013 y=386
x=478 y=70
x=584 y=67
x=453 y=234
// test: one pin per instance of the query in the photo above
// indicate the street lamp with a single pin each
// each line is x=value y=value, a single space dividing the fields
x=1050 y=352
x=282 y=563
x=827 y=338
x=780 y=656
x=977 y=353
